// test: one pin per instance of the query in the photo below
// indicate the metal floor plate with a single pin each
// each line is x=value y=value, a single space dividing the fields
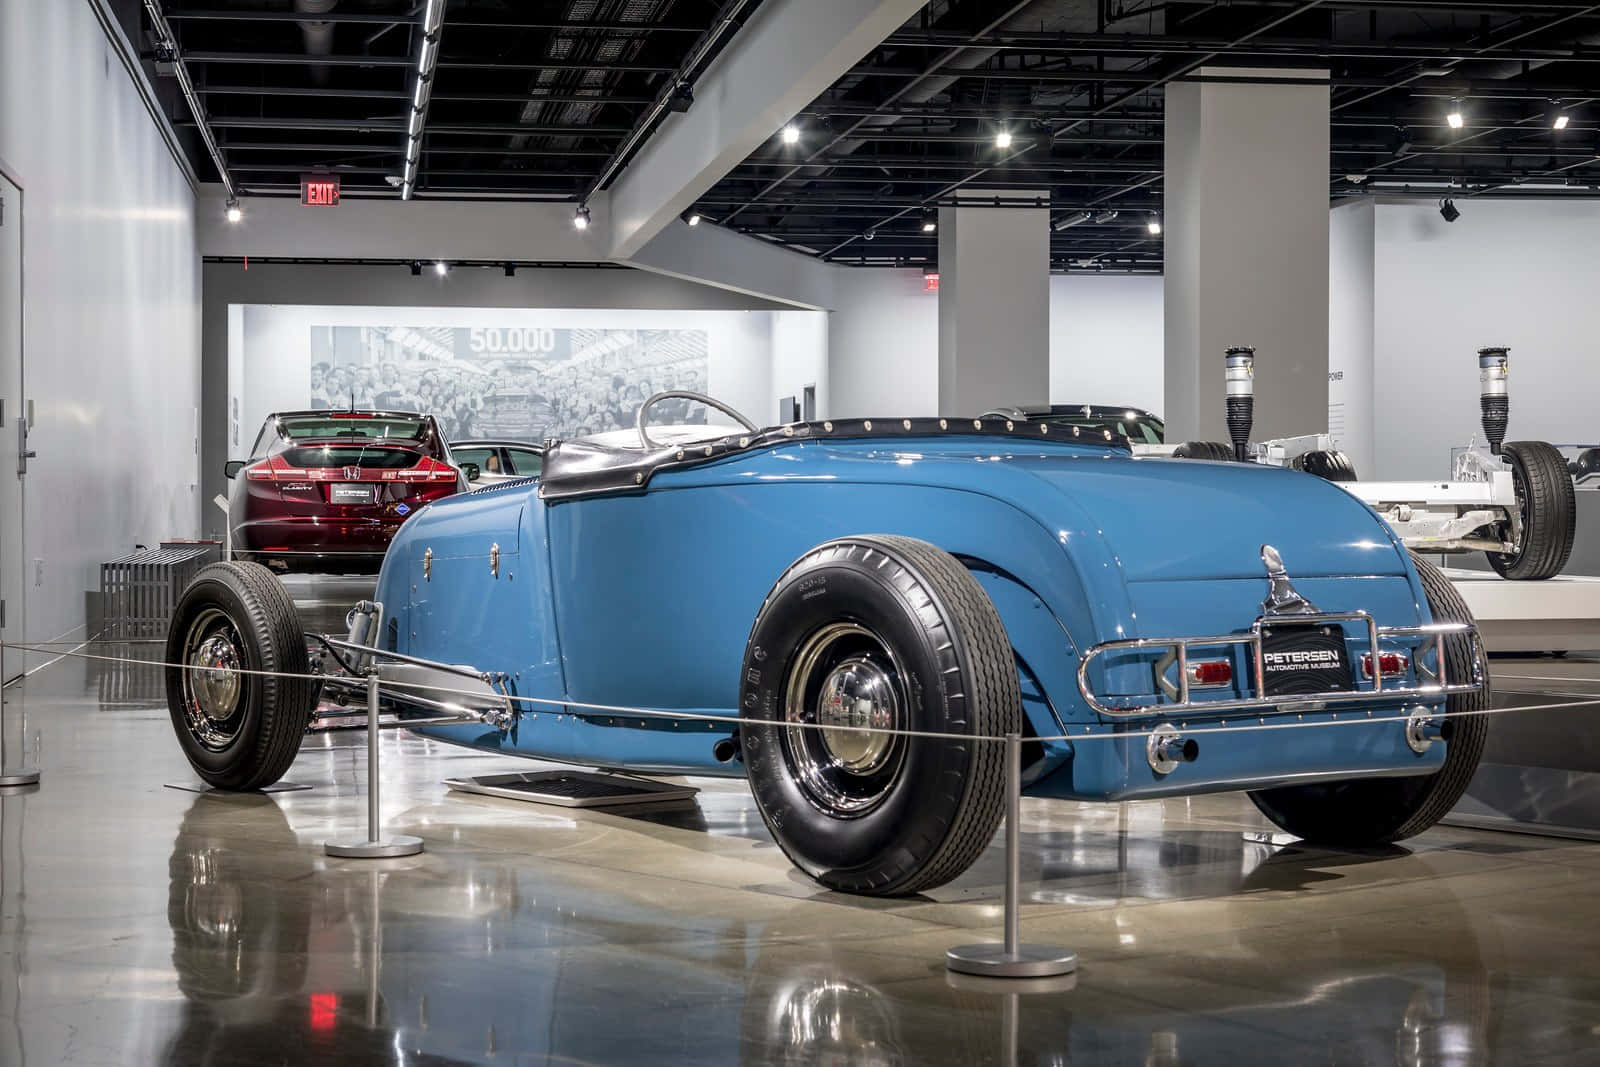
x=573 y=789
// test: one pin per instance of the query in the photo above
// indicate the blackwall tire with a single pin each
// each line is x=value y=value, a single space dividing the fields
x=1549 y=505
x=903 y=622
x=1215 y=451
x=240 y=731
x=1329 y=464
x=1364 y=812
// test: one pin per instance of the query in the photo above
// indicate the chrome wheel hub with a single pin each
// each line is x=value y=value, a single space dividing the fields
x=857 y=693
x=213 y=688
x=844 y=685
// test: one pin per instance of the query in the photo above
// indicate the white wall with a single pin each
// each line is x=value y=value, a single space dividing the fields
x=111 y=342
x=1350 y=331
x=1515 y=273
x=883 y=345
x=799 y=359
x=1106 y=340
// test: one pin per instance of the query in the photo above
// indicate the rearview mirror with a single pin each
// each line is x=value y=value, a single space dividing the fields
x=232 y=468
x=471 y=471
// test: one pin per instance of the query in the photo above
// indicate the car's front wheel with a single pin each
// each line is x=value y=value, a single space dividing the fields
x=237 y=678
x=862 y=637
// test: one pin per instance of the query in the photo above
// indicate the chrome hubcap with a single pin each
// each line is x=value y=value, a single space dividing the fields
x=213 y=688
x=857 y=693
x=843 y=686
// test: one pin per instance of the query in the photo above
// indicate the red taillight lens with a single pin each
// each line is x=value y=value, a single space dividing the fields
x=429 y=469
x=1391 y=663
x=1209 y=673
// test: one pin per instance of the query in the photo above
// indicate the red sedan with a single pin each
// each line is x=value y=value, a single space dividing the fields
x=325 y=491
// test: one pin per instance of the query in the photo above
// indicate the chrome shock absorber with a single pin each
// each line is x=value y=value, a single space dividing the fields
x=1241 y=382
x=1493 y=398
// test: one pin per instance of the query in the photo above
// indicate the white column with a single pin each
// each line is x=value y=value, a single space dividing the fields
x=994 y=305
x=1246 y=239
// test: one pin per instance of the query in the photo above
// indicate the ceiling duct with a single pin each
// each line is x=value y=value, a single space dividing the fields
x=318 y=34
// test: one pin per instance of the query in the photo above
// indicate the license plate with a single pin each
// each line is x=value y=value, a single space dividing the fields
x=1297 y=660
x=350 y=494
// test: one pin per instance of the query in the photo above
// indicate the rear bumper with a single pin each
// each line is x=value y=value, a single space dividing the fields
x=316 y=543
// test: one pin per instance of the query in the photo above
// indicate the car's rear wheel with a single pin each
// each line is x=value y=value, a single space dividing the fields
x=1212 y=450
x=239 y=729
x=888 y=633
x=1548 y=504
x=1330 y=464
x=1363 y=812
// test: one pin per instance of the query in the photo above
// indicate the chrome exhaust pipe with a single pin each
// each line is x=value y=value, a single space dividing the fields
x=727 y=750
x=1165 y=748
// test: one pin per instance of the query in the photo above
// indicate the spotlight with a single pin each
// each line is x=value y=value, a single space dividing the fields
x=1154 y=226
x=930 y=219
x=1077 y=218
x=1560 y=121
x=791 y=134
x=234 y=212
x=580 y=218
x=416 y=269
x=682 y=97
x=1454 y=116
x=1448 y=209
x=441 y=268
x=693 y=219
x=1002 y=139
x=510 y=269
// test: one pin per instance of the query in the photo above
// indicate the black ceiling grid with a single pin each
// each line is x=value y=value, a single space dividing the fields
x=530 y=98
x=538 y=99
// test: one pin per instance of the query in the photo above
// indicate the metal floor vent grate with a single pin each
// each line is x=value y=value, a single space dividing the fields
x=573 y=789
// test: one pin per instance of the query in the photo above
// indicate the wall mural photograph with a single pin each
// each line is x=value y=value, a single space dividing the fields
x=516 y=383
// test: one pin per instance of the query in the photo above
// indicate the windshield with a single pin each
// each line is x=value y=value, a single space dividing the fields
x=1137 y=427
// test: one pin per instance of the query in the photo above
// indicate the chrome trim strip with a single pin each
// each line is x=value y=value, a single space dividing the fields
x=1441 y=687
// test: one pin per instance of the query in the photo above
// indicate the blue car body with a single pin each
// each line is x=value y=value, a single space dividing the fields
x=639 y=589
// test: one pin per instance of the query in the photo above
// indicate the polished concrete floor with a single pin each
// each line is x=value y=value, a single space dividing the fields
x=145 y=925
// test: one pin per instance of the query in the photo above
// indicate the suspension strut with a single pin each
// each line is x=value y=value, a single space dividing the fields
x=1493 y=397
x=1241 y=381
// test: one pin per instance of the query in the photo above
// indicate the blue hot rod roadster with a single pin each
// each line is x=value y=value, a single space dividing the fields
x=784 y=604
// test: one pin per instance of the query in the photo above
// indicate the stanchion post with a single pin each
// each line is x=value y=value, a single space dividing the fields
x=375 y=846
x=22 y=775
x=1012 y=958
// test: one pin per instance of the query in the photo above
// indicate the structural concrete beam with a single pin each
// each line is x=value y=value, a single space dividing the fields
x=719 y=257
x=779 y=62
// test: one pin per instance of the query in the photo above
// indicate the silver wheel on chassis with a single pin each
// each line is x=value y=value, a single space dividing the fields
x=844 y=678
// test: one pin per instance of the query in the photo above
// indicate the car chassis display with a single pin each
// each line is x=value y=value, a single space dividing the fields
x=855 y=615
x=1512 y=501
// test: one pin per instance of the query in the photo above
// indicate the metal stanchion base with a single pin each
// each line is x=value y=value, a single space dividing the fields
x=991 y=960
x=202 y=787
x=388 y=848
x=25 y=776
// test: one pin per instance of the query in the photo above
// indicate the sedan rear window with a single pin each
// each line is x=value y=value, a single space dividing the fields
x=340 y=456
x=355 y=425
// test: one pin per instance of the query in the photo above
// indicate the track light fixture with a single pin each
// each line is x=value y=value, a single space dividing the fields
x=1153 y=227
x=1453 y=117
x=791 y=134
x=693 y=218
x=441 y=268
x=416 y=269
x=1002 y=139
x=1560 y=121
x=930 y=219
x=580 y=218
x=234 y=212
x=682 y=98
x=510 y=269
x=1447 y=208
x=1077 y=218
